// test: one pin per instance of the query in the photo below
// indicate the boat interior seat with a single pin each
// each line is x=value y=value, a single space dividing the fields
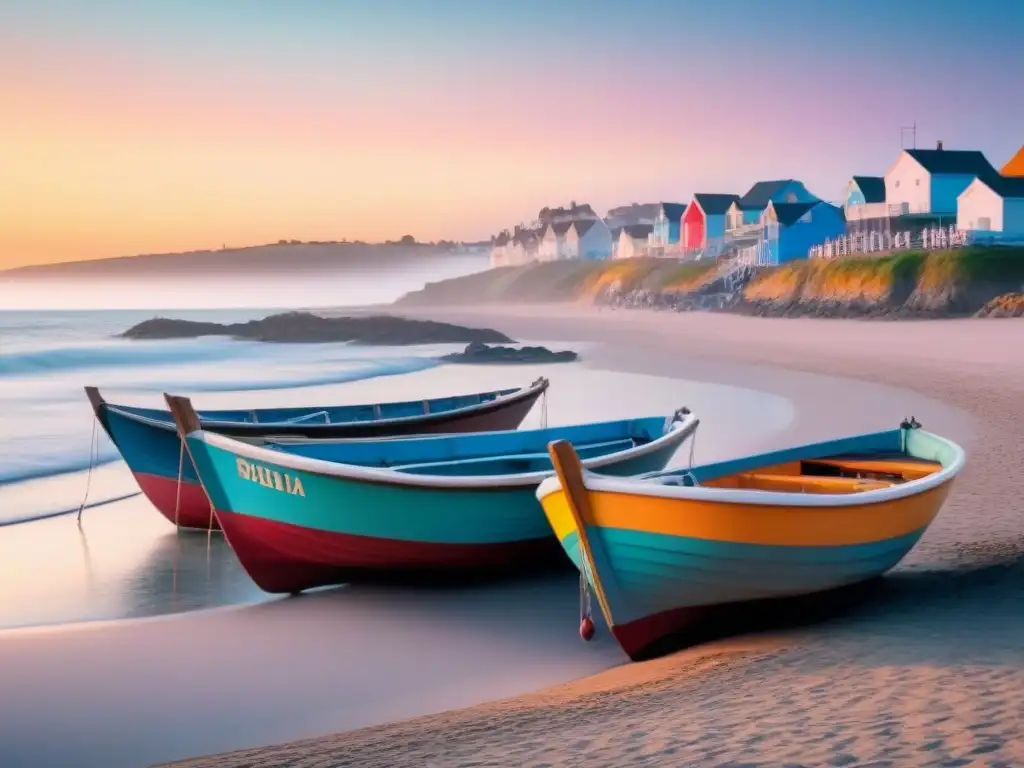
x=907 y=468
x=807 y=483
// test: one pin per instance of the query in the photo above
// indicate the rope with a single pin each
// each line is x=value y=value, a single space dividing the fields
x=93 y=450
x=177 y=490
x=689 y=464
x=585 y=605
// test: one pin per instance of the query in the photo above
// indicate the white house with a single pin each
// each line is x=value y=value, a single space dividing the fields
x=552 y=241
x=588 y=239
x=633 y=241
x=992 y=204
x=929 y=181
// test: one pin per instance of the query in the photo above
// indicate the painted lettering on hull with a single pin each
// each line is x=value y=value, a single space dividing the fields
x=269 y=478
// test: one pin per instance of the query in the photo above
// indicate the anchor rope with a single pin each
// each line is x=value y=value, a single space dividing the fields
x=177 y=489
x=93 y=450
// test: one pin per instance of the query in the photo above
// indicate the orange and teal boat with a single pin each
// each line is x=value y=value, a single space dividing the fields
x=662 y=550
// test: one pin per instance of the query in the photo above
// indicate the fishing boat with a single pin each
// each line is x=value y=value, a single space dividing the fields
x=148 y=440
x=664 y=552
x=302 y=515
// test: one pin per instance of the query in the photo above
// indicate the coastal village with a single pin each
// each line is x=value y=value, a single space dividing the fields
x=929 y=198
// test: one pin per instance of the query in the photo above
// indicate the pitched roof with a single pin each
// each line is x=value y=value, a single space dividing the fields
x=954 y=161
x=788 y=213
x=637 y=231
x=759 y=195
x=583 y=226
x=673 y=211
x=1006 y=186
x=561 y=227
x=872 y=187
x=501 y=239
x=1016 y=165
x=714 y=204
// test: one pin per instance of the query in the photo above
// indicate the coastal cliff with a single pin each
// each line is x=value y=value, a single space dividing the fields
x=978 y=281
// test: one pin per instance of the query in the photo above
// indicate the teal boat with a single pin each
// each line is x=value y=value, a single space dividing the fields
x=307 y=514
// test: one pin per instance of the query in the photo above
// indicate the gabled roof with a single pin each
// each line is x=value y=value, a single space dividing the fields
x=788 y=213
x=637 y=231
x=714 y=204
x=561 y=227
x=953 y=161
x=583 y=226
x=673 y=211
x=872 y=187
x=1016 y=165
x=759 y=195
x=501 y=239
x=1005 y=186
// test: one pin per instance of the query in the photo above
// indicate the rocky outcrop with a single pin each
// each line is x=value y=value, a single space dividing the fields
x=305 y=327
x=1007 y=305
x=480 y=353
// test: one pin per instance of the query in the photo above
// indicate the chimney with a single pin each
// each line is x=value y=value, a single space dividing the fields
x=938 y=145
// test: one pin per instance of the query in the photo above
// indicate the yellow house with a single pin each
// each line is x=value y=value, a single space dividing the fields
x=1016 y=166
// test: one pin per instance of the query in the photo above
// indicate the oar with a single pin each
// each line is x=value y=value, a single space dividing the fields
x=570 y=475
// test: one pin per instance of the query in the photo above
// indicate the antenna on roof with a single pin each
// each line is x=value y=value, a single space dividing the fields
x=913 y=135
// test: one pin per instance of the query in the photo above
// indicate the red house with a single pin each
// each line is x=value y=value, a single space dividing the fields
x=704 y=220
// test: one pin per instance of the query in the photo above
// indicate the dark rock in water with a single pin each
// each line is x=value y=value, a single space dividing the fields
x=304 y=327
x=478 y=352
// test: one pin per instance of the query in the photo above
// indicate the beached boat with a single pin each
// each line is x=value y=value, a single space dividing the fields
x=664 y=552
x=148 y=440
x=301 y=515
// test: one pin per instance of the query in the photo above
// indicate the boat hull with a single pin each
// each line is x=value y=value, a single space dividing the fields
x=294 y=529
x=152 y=450
x=666 y=565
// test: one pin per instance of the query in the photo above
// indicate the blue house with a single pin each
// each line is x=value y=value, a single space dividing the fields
x=864 y=190
x=748 y=209
x=667 y=224
x=792 y=228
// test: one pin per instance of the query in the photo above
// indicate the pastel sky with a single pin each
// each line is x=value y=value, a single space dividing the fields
x=131 y=126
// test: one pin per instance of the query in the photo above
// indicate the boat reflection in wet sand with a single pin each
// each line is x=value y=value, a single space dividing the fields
x=667 y=551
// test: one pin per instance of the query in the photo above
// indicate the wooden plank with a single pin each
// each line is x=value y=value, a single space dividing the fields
x=911 y=469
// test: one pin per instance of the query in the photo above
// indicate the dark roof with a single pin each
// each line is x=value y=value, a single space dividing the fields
x=616 y=231
x=965 y=162
x=673 y=211
x=525 y=236
x=788 y=213
x=584 y=225
x=759 y=195
x=501 y=239
x=1006 y=186
x=714 y=205
x=872 y=187
x=639 y=230
x=561 y=227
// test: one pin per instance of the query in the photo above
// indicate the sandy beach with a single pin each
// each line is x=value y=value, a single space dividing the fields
x=929 y=671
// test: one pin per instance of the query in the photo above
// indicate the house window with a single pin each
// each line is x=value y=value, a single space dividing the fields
x=917 y=182
x=897 y=183
x=984 y=223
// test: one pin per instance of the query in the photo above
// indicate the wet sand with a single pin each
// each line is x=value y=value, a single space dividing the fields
x=930 y=671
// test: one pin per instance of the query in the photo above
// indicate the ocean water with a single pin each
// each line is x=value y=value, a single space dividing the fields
x=46 y=358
